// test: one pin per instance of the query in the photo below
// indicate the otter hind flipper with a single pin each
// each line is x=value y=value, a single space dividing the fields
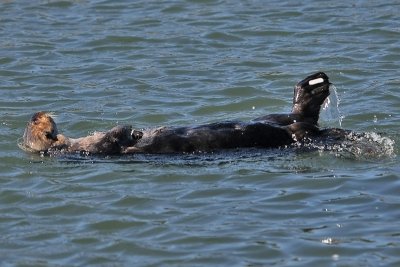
x=309 y=94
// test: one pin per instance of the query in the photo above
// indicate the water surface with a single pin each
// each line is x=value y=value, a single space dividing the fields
x=150 y=63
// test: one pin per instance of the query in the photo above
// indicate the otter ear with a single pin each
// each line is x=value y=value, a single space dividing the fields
x=36 y=116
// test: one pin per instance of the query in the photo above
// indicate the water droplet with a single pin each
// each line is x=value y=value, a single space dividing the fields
x=328 y=241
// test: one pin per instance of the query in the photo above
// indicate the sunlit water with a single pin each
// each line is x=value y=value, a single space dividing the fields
x=150 y=63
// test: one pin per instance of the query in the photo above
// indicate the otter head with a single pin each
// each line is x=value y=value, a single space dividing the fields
x=309 y=94
x=40 y=132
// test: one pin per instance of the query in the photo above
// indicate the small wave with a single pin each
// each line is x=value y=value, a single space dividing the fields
x=21 y=145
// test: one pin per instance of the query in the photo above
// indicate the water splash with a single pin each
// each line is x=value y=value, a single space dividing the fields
x=361 y=146
x=330 y=115
x=370 y=145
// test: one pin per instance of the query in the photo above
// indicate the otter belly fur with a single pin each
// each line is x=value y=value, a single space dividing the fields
x=270 y=131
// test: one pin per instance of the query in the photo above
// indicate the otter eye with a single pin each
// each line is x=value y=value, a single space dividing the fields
x=49 y=135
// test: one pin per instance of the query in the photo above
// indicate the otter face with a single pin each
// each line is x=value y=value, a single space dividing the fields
x=41 y=132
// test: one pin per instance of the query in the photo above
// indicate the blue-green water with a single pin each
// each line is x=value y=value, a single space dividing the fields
x=150 y=63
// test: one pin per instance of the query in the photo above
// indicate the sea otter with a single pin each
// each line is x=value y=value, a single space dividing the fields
x=270 y=131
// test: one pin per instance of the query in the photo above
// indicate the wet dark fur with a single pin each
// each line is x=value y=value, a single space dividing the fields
x=270 y=131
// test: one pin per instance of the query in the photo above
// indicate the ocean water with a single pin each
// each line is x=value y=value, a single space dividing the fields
x=97 y=64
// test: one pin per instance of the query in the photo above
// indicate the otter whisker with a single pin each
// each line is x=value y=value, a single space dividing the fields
x=52 y=115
